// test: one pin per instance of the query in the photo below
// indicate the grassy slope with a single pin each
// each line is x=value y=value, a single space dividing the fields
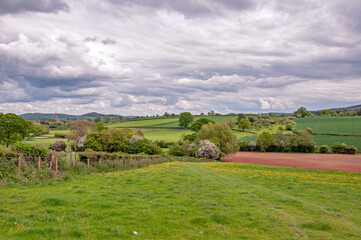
x=144 y=123
x=330 y=140
x=331 y=124
x=218 y=119
x=188 y=201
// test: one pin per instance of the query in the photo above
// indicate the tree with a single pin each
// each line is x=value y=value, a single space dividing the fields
x=302 y=111
x=78 y=131
x=359 y=112
x=240 y=116
x=166 y=115
x=13 y=128
x=221 y=135
x=196 y=126
x=265 y=140
x=231 y=123
x=207 y=150
x=244 y=123
x=185 y=119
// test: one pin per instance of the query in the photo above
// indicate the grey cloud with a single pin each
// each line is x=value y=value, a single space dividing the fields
x=109 y=41
x=18 y=6
x=189 y=7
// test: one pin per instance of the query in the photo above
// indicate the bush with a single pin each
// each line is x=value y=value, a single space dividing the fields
x=176 y=150
x=163 y=144
x=243 y=146
x=351 y=150
x=207 y=150
x=289 y=127
x=324 y=149
x=339 y=148
x=30 y=151
x=58 y=146
x=59 y=135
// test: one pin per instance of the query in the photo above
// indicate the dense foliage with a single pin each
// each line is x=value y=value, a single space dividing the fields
x=185 y=119
x=13 y=128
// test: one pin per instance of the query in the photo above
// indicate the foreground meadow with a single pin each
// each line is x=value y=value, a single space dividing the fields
x=188 y=201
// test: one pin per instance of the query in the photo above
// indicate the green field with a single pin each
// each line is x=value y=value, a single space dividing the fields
x=330 y=140
x=167 y=135
x=188 y=201
x=218 y=119
x=350 y=125
x=143 y=123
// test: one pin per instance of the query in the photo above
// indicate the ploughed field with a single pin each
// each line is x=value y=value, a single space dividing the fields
x=339 y=162
x=188 y=201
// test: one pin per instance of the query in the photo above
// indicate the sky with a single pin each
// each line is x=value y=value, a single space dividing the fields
x=147 y=57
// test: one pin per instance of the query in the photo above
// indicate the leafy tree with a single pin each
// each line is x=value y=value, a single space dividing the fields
x=98 y=119
x=101 y=126
x=231 y=123
x=302 y=111
x=196 y=126
x=240 y=116
x=93 y=141
x=265 y=140
x=79 y=129
x=221 y=135
x=185 y=119
x=13 y=128
x=359 y=112
x=38 y=129
x=244 y=123
x=166 y=114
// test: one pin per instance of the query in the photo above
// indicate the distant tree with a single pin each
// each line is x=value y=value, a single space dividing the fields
x=359 y=112
x=166 y=115
x=38 y=129
x=244 y=123
x=202 y=114
x=327 y=112
x=196 y=126
x=231 y=123
x=98 y=119
x=240 y=116
x=13 y=128
x=185 y=119
x=265 y=140
x=78 y=131
x=302 y=111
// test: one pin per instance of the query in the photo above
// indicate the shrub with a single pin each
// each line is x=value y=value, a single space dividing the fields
x=58 y=146
x=324 y=149
x=135 y=138
x=243 y=146
x=207 y=150
x=176 y=150
x=339 y=148
x=289 y=127
x=163 y=144
x=252 y=146
x=59 y=135
x=351 y=150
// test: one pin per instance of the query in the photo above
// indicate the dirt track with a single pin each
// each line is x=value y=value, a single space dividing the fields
x=341 y=162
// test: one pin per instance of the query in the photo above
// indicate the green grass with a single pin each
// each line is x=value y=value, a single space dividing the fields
x=218 y=119
x=330 y=140
x=45 y=141
x=188 y=201
x=168 y=135
x=351 y=125
x=144 y=123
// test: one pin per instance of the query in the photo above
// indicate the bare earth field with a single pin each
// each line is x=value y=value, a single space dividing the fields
x=346 y=163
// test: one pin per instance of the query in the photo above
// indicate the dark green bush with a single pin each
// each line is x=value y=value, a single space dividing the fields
x=351 y=150
x=339 y=148
x=324 y=149
x=176 y=150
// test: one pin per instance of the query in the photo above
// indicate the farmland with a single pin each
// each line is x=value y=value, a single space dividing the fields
x=330 y=140
x=188 y=201
x=351 y=125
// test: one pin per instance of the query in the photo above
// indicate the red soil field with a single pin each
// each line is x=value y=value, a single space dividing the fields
x=340 y=162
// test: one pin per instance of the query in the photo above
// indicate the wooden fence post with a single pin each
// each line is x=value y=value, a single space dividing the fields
x=39 y=159
x=74 y=160
x=100 y=160
x=56 y=164
x=71 y=157
x=19 y=165
x=88 y=162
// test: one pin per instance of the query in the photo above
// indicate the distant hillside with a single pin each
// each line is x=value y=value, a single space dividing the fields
x=351 y=108
x=32 y=116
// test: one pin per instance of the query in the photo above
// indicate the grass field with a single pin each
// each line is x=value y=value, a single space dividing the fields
x=167 y=135
x=188 y=201
x=331 y=124
x=144 y=123
x=218 y=119
x=330 y=140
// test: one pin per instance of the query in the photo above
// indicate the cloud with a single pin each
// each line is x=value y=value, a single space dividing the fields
x=148 y=57
x=20 y=6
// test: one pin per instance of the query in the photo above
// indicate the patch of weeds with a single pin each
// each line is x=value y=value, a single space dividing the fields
x=220 y=218
x=80 y=191
x=54 y=201
x=317 y=225
x=76 y=233
x=199 y=221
